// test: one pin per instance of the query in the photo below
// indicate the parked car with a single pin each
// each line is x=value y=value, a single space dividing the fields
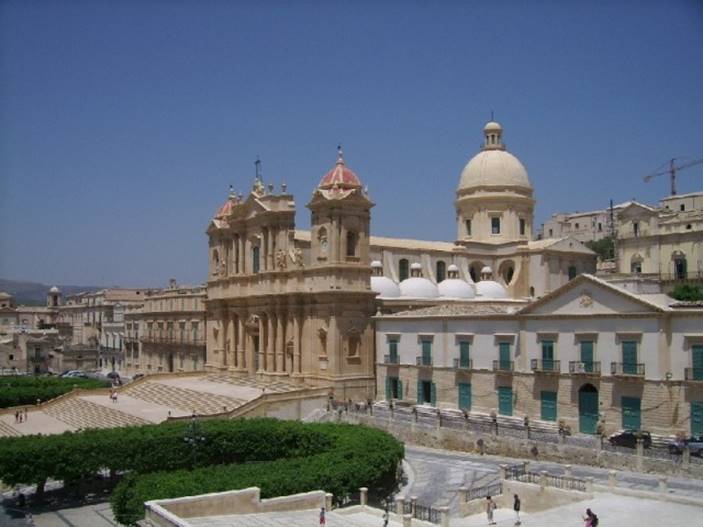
x=73 y=374
x=628 y=438
x=694 y=444
x=137 y=376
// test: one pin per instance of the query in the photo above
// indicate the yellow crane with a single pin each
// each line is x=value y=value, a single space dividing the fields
x=671 y=171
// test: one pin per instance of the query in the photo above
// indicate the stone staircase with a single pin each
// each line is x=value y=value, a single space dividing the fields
x=7 y=430
x=79 y=413
x=201 y=403
x=251 y=382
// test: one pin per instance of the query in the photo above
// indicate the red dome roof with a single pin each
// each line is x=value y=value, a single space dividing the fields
x=340 y=176
x=225 y=209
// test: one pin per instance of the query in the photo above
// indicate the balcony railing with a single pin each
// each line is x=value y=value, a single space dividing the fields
x=176 y=340
x=503 y=365
x=391 y=359
x=584 y=368
x=693 y=374
x=627 y=369
x=424 y=361
x=545 y=366
x=466 y=364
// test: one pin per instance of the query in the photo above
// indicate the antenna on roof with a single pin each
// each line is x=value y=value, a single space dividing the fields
x=257 y=164
x=491 y=115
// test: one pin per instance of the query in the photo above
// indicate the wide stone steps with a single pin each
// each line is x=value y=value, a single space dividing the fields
x=7 y=431
x=80 y=413
x=251 y=382
x=182 y=398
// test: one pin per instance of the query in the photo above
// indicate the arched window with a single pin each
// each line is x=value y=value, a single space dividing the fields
x=680 y=266
x=636 y=264
x=441 y=271
x=403 y=269
x=475 y=271
x=352 y=239
x=215 y=261
x=572 y=272
x=322 y=240
x=255 y=258
x=532 y=291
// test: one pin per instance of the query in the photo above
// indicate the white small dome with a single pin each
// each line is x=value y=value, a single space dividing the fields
x=417 y=287
x=490 y=289
x=487 y=270
x=376 y=264
x=492 y=126
x=415 y=267
x=455 y=288
x=54 y=290
x=452 y=268
x=385 y=287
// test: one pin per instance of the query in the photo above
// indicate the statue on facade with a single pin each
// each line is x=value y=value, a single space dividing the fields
x=281 y=260
x=296 y=256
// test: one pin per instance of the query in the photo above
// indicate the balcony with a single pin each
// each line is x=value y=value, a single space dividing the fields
x=424 y=361
x=584 y=368
x=503 y=365
x=463 y=364
x=627 y=369
x=693 y=374
x=391 y=359
x=173 y=340
x=545 y=366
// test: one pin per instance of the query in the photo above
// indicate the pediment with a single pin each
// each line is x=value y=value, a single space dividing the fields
x=587 y=296
x=570 y=245
x=636 y=210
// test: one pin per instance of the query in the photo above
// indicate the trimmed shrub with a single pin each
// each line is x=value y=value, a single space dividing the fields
x=360 y=457
x=18 y=390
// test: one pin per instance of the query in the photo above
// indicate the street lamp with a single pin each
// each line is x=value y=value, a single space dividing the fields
x=194 y=437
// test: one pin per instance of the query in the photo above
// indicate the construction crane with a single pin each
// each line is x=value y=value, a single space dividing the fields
x=671 y=171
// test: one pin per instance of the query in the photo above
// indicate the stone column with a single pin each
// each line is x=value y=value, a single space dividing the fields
x=444 y=516
x=399 y=505
x=363 y=495
x=589 y=484
x=328 y=501
x=612 y=478
x=542 y=479
x=241 y=340
x=413 y=500
x=407 y=520
x=280 y=343
x=640 y=453
x=262 y=343
x=242 y=254
x=503 y=471
x=567 y=471
x=269 y=342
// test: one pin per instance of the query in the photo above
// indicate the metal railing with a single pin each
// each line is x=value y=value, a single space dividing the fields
x=584 y=368
x=693 y=374
x=391 y=359
x=426 y=513
x=424 y=361
x=545 y=366
x=627 y=368
x=503 y=365
x=466 y=364
x=174 y=339
x=495 y=489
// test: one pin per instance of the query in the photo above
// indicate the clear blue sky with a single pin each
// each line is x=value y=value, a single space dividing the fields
x=123 y=123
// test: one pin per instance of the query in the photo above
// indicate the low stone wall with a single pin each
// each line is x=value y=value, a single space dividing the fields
x=503 y=445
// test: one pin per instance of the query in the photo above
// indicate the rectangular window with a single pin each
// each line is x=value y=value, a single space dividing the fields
x=548 y=406
x=393 y=351
x=504 y=355
x=629 y=357
x=468 y=227
x=547 y=355
x=587 y=355
x=464 y=354
x=600 y=227
x=697 y=362
x=522 y=227
x=495 y=225
x=636 y=228
x=426 y=352
x=505 y=400
x=426 y=392
x=394 y=388
x=551 y=233
x=464 y=396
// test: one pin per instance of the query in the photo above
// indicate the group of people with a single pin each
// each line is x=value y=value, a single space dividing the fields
x=21 y=416
x=590 y=519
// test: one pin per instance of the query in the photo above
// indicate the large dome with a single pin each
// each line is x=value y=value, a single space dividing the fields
x=494 y=166
x=455 y=288
x=417 y=287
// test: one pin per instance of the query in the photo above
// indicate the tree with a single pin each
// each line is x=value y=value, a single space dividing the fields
x=687 y=293
x=604 y=248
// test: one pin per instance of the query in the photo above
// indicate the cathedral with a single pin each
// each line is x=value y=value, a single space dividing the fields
x=302 y=305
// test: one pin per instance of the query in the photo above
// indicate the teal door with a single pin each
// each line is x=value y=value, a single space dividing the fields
x=696 y=418
x=629 y=357
x=697 y=362
x=426 y=392
x=587 y=355
x=394 y=388
x=426 y=352
x=547 y=355
x=505 y=400
x=464 y=396
x=549 y=406
x=463 y=354
x=588 y=409
x=631 y=416
x=504 y=355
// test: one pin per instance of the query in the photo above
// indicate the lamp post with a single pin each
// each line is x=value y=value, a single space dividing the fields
x=194 y=437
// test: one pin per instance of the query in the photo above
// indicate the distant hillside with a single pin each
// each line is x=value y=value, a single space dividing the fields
x=34 y=293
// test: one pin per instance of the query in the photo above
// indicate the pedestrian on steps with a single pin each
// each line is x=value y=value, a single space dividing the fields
x=516 y=508
x=490 y=507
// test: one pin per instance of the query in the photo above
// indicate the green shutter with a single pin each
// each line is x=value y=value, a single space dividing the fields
x=629 y=357
x=393 y=351
x=427 y=352
x=587 y=355
x=696 y=418
x=547 y=355
x=389 y=394
x=505 y=400
x=433 y=394
x=504 y=349
x=697 y=362
x=549 y=406
x=419 y=392
x=631 y=415
x=464 y=396
x=464 y=354
x=588 y=410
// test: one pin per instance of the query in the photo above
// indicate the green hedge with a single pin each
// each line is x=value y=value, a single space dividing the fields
x=18 y=390
x=360 y=457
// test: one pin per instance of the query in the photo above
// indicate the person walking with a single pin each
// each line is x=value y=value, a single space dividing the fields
x=322 y=516
x=516 y=508
x=590 y=520
x=490 y=507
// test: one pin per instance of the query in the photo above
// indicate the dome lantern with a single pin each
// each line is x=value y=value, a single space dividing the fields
x=493 y=133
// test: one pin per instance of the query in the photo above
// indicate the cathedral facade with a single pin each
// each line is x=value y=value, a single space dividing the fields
x=301 y=304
